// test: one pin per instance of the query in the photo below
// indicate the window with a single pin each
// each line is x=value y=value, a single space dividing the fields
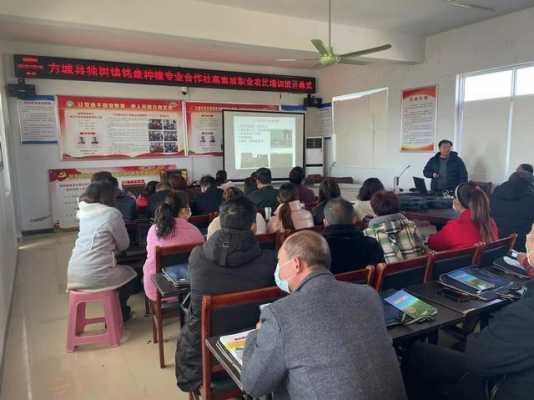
x=488 y=86
x=525 y=81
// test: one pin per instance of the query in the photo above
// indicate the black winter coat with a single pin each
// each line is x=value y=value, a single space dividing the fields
x=230 y=261
x=512 y=208
x=456 y=172
x=207 y=202
x=505 y=349
x=350 y=249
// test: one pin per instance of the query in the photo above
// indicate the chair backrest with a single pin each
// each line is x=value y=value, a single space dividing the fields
x=173 y=255
x=226 y=314
x=401 y=274
x=267 y=241
x=489 y=252
x=362 y=276
x=201 y=221
x=450 y=260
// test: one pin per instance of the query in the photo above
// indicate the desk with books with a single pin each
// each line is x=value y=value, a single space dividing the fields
x=399 y=334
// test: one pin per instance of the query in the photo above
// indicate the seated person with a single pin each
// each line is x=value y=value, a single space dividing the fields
x=230 y=193
x=306 y=195
x=170 y=229
x=396 y=234
x=290 y=214
x=265 y=195
x=350 y=249
x=175 y=183
x=527 y=259
x=142 y=200
x=363 y=204
x=526 y=168
x=328 y=189
x=326 y=340
x=512 y=207
x=102 y=234
x=123 y=201
x=162 y=191
x=499 y=360
x=473 y=225
x=222 y=180
x=209 y=199
x=230 y=261
x=250 y=184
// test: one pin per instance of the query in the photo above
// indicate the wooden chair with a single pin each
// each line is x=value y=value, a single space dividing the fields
x=447 y=261
x=166 y=256
x=361 y=276
x=489 y=252
x=267 y=241
x=201 y=221
x=401 y=274
x=226 y=314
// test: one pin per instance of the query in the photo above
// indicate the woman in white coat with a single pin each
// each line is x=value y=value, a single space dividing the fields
x=92 y=266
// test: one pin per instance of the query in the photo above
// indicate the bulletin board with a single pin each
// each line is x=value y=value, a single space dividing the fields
x=99 y=128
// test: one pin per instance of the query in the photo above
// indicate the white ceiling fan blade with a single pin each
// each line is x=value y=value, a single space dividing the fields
x=460 y=4
x=351 y=62
x=296 y=59
x=366 y=51
x=319 y=45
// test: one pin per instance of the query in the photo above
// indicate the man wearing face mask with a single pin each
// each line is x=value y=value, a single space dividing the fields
x=326 y=340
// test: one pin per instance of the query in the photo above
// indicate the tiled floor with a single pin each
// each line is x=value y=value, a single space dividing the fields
x=37 y=367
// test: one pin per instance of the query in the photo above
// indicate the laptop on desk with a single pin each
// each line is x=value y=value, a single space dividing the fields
x=420 y=186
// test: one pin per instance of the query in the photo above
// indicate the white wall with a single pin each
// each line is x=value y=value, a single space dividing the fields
x=501 y=41
x=8 y=238
x=33 y=161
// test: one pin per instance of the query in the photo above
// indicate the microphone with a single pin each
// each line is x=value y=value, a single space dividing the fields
x=396 y=180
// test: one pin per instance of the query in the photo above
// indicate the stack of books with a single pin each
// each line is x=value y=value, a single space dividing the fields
x=176 y=274
x=410 y=309
x=233 y=347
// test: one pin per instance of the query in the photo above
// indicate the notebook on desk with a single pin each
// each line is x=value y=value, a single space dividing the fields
x=233 y=347
x=178 y=275
x=402 y=308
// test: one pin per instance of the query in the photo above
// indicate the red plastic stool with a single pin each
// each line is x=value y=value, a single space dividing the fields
x=77 y=322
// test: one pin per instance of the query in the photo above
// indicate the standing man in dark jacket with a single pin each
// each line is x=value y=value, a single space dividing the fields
x=327 y=340
x=446 y=169
x=512 y=207
x=265 y=195
x=230 y=261
x=349 y=247
x=210 y=199
x=501 y=358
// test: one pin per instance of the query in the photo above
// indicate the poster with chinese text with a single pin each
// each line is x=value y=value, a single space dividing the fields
x=67 y=185
x=96 y=128
x=418 y=119
x=37 y=120
x=205 y=126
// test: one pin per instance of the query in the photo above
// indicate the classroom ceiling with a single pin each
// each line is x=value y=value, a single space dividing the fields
x=420 y=17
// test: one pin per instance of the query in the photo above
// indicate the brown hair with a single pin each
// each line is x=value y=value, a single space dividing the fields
x=385 y=203
x=286 y=194
x=166 y=213
x=231 y=193
x=328 y=189
x=102 y=192
x=473 y=198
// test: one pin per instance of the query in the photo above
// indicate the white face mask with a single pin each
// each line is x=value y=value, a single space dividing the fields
x=283 y=284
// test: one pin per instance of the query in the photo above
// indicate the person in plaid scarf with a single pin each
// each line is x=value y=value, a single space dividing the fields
x=396 y=234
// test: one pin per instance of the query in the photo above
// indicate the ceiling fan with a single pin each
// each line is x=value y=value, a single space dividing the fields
x=327 y=56
x=462 y=4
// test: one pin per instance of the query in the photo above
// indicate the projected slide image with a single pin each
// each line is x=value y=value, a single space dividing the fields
x=281 y=138
x=264 y=142
x=254 y=161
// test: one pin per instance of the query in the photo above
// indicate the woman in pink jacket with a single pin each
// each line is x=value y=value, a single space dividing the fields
x=290 y=214
x=170 y=229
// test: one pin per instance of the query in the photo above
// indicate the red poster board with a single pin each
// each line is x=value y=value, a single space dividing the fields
x=98 y=128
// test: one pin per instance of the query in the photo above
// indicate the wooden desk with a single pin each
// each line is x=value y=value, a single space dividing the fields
x=399 y=334
x=435 y=216
x=432 y=292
